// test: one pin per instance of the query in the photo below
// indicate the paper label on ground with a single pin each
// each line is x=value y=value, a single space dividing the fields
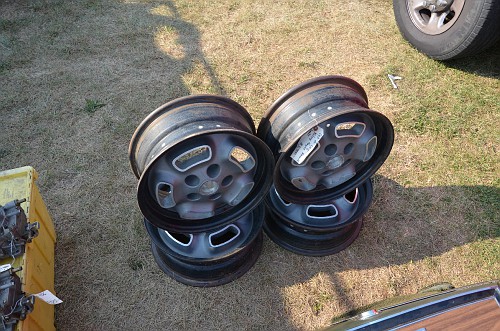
x=306 y=144
x=48 y=297
x=5 y=267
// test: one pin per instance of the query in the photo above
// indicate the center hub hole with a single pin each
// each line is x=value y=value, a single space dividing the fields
x=209 y=187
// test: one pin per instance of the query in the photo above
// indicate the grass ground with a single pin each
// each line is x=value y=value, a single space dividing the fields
x=77 y=77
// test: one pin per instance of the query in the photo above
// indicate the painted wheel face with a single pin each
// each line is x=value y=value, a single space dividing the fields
x=326 y=140
x=319 y=229
x=434 y=17
x=325 y=217
x=209 y=274
x=211 y=258
x=212 y=245
x=199 y=164
x=347 y=141
x=204 y=175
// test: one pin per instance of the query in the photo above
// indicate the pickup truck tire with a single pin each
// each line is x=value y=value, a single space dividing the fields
x=463 y=28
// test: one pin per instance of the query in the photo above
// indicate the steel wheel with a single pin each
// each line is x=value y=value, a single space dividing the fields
x=211 y=258
x=317 y=230
x=434 y=17
x=211 y=245
x=318 y=218
x=349 y=142
x=210 y=181
x=311 y=244
x=197 y=159
x=336 y=156
x=209 y=274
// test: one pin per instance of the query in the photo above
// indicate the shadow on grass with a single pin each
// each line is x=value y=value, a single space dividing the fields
x=189 y=41
x=486 y=64
x=403 y=225
x=411 y=224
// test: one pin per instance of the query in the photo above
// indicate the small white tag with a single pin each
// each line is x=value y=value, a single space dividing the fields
x=5 y=267
x=306 y=144
x=48 y=297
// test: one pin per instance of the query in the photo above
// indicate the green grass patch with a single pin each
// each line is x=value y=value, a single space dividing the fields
x=91 y=105
x=483 y=258
x=486 y=221
x=443 y=101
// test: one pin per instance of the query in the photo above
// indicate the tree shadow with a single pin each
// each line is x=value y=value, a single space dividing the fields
x=187 y=41
x=163 y=50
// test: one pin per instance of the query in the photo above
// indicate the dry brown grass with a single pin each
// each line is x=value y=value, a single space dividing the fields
x=435 y=213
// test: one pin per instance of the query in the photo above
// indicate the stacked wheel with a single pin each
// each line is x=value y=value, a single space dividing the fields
x=204 y=172
x=327 y=144
x=209 y=258
x=202 y=176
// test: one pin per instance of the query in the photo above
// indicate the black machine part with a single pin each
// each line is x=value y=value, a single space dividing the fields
x=14 y=304
x=15 y=231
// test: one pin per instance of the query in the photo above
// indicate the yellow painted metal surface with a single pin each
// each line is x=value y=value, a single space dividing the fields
x=37 y=262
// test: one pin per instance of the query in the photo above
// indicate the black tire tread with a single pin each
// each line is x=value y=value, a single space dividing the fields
x=485 y=33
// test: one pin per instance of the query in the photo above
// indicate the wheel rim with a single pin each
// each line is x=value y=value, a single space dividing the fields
x=311 y=244
x=290 y=226
x=355 y=141
x=336 y=156
x=211 y=273
x=197 y=159
x=434 y=17
x=213 y=245
x=213 y=179
x=316 y=218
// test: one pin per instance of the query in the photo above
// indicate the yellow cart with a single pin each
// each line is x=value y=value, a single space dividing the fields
x=37 y=262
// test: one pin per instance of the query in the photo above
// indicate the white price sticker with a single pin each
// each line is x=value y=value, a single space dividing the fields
x=48 y=297
x=5 y=267
x=306 y=144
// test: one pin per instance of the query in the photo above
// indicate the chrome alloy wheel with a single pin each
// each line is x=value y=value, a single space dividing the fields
x=434 y=17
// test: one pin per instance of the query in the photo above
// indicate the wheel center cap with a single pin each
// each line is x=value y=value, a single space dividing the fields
x=335 y=162
x=209 y=187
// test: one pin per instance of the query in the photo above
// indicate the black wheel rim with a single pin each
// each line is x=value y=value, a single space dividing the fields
x=197 y=159
x=318 y=218
x=311 y=244
x=213 y=273
x=355 y=143
x=214 y=245
x=332 y=227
